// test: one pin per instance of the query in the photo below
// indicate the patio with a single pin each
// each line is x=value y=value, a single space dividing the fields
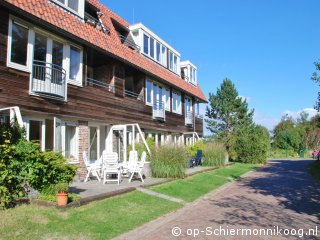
x=94 y=189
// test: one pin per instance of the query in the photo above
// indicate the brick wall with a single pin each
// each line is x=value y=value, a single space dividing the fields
x=83 y=146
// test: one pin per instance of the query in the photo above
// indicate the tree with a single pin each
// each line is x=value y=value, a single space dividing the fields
x=253 y=145
x=316 y=78
x=227 y=112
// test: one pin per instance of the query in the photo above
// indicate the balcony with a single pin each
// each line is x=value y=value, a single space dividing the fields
x=158 y=111
x=100 y=84
x=48 y=80
x=189 y=118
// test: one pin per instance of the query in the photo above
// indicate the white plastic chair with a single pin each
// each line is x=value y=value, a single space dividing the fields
x=133 y=159
x=92 y=168
x=138 y=167
x=110 y=166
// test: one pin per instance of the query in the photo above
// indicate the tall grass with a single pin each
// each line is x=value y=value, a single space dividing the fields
x=169 y=161
x=213 y=154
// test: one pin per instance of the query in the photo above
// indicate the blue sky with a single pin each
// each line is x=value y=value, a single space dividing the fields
x=266 y=47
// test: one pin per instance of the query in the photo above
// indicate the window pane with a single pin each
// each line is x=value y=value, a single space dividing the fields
x=70 y=141
x=158 y=52
x=62 y=1
x=170 y=60
x=149 y=91
x=57 y=54
x=164 y=56
x=40 y=48
x=19 y=44
x=73 y=4
x=175 y=63
x=145 y=44
x=168 y=99
x=74 y=63
x=159 y=97
x=39 y=56
x=155 y=93
x=152 y=47
x=93 y=144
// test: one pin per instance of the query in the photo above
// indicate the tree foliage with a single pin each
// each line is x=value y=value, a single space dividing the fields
x=253 y=145
x=299 y=134
x=23 y=165
x=315 y=76
x=231 y=122
x=227 y=111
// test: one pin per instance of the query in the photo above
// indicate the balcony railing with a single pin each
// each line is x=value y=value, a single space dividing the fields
x=48 y=80
x=97 y=83
x=129 y=43
x=137 y=96
x=158 y=111
x=189 y=118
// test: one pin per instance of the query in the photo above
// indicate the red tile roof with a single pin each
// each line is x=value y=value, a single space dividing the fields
x=48 y=12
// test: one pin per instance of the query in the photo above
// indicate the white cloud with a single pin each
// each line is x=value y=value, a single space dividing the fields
x=295 y=114
x=265 y=120
x=248 y=99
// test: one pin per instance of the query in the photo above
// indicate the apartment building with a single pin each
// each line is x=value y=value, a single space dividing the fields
x=84 y=79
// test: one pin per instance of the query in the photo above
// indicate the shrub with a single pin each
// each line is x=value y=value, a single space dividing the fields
x=253 y=144
x=213 y=154
x=169 y=161
x=41 y=169
x=140 y=147
x=193 y=149
x=23 y=165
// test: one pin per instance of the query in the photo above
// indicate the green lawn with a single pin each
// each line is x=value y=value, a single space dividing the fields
x=99 y=220
x=314 y=169
x=193 y=187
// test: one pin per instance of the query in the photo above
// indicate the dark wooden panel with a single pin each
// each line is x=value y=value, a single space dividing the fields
x=84 y=103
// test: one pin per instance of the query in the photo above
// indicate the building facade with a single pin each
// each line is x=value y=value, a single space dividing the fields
x=82 y=76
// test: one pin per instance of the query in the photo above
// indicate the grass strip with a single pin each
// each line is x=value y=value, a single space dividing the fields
x=198 y=185
x=98 y=220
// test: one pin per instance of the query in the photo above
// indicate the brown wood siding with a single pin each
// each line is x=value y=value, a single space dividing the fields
x=86 y=103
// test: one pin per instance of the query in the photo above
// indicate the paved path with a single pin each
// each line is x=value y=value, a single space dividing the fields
x=282 y=194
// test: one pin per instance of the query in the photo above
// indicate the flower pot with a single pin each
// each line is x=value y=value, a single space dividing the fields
x=62 y=198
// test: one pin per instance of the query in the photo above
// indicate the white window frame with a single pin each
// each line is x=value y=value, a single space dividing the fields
x=167 y=101
x=43 y=130
x=148 y=44
x=163 y=56
x=80 y=11
x=32 y=30
x=178 y=103
x=78 y=81
x=151 y=93
x=97 y=126
x=163 y=96
x=29 y=49
x=185 y=104
x=63 y=130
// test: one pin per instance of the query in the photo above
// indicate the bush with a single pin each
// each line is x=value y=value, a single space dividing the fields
x=281 y=153
x=169 y=161
x=213 y=154
x=23 y=165
x=140 y=148
x=41 y=169
x=252 y=144
x=193 y=149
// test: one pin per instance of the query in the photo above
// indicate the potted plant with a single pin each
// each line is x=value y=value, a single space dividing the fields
x=61 y=190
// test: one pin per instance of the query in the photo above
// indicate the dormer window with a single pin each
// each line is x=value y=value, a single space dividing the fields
x=189 y=72
x=74 y=6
